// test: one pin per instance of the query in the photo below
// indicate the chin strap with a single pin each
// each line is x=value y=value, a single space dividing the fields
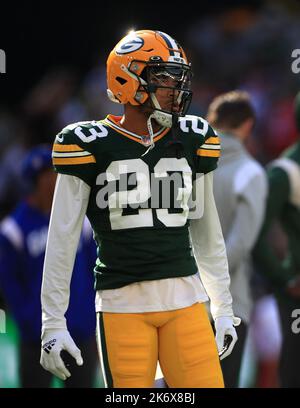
x=148 y=140
x=163 y=118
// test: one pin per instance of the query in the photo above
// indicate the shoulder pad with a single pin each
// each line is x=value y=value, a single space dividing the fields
x=74 y=146
x=194 y=124
x=82 y=132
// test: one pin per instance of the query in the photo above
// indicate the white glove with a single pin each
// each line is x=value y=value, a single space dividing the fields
x=53 y=342
x=225 y=326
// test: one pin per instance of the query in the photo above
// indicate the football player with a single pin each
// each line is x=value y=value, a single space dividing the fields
x=133 y=176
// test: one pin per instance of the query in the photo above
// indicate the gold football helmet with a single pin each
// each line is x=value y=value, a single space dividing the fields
x=144 y=61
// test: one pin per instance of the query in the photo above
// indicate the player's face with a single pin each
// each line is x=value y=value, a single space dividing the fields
x=168 y=96
x=169 y=82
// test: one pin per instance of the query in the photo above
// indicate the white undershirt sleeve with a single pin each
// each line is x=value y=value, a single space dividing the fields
x=69 y=206
x=210 y=253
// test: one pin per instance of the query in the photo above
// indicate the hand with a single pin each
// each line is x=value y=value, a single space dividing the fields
x=54 y=341
x=225 y=327
x=293 y=287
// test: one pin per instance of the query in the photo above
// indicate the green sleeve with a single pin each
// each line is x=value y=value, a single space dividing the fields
x=263 y=254
x=208 y=152
x=72 y=156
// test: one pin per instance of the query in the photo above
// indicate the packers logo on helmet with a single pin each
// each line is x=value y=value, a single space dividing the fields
x=144 y=61
x=129 y=44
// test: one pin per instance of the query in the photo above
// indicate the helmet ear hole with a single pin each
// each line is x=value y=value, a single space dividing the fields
x=122 y=81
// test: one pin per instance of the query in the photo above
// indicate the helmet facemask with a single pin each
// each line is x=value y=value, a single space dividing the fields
x=168 y=86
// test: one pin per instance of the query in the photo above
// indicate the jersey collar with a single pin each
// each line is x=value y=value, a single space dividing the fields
x=114 y=122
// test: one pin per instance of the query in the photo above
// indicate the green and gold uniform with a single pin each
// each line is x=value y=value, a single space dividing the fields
x=140 y=235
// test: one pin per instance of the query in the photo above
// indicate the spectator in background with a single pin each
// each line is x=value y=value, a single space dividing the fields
x=265 y=337
x=240 y=189
x=23 y=236
x=283 y=205
x=13 y=146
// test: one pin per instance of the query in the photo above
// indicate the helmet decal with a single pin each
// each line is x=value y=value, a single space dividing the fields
x=129 y=44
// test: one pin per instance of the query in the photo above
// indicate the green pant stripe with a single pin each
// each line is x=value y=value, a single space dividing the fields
x=108 y=381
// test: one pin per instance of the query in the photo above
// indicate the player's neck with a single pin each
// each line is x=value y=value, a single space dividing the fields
x=136 y=121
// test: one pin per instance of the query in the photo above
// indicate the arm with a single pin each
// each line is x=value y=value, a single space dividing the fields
x=68 y=210
x=248 y=217
x=264 y=256
x=210 y=254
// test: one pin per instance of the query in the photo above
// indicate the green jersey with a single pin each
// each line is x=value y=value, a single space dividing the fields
x=139 y=196
x=283 y=204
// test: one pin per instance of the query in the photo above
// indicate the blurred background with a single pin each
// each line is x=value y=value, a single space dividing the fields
x=56 y=75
